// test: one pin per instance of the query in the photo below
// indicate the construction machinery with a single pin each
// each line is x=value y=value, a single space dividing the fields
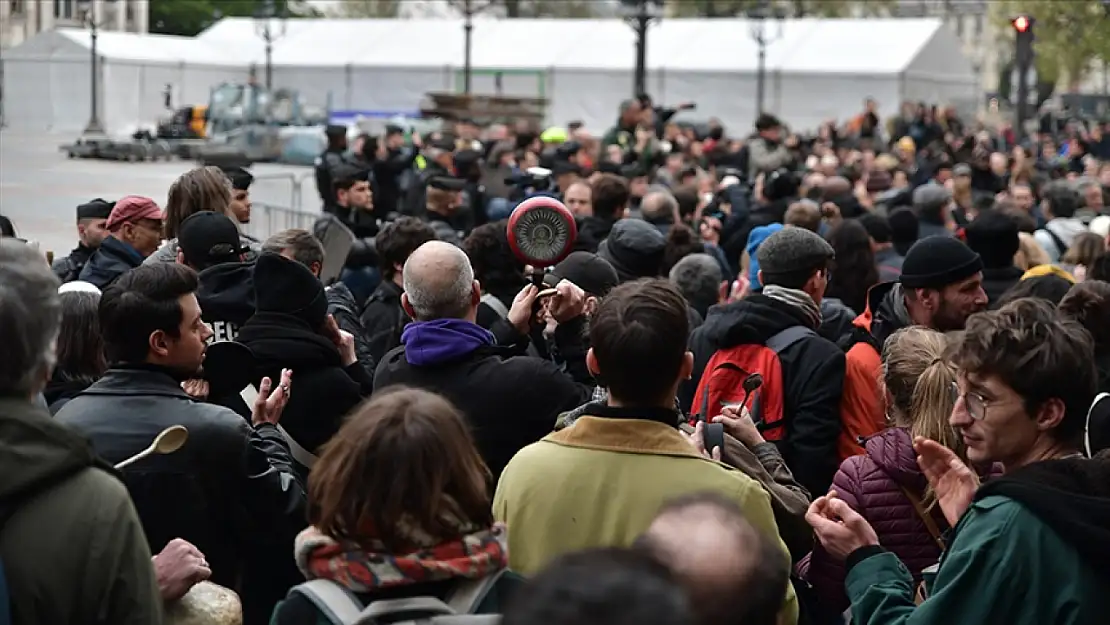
x=241 y=124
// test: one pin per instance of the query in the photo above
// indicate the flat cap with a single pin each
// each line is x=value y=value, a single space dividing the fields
x=790 y=251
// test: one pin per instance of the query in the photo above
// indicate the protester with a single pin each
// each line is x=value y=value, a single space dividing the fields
x=602 y=480
x=230 y=490
x=698 y=277
x=383 y=317
x=602 y=587
x=1041 y=526
x=941 y=286
x=887 y=259
x=496 y=268
x=291 y=330
x=91 y=219
x=72 y=546
x=1050 y=287
x=240 y=206
x=931 y=206
x=994 y=237
x=399 y=508
x=856 y=271
x=301 y=246
x=610 y=197
x=209 y=244
x=794 y=265
x=884 y=484
x=200 y=189
x=134 y=232
x=731 y=572
x=79 y=350
x=508 y=402
x=1089 y=304
x=1059 y=206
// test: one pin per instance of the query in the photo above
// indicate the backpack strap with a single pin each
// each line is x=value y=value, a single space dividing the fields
x=1056 y=240
x=468 y=594
x=497 y=305
x=779 y=342
x=334 y=601
x=923 y=514
x=408 y=609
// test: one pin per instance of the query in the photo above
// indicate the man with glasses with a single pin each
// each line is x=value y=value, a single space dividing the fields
x=1031 y=547
x=134 y=233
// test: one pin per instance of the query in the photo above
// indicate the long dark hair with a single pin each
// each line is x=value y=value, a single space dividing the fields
x=855 y=271
x=80 y=343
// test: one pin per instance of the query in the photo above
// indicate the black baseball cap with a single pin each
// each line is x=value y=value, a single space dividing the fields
x=209 y=238
x=590 y=272
x=241 y=179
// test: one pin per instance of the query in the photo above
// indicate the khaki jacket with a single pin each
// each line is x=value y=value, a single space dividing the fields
x=601 y=483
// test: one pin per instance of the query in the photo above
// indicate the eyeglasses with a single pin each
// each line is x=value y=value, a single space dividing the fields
x=975 y=403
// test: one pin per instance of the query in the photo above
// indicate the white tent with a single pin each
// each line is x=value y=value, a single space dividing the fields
x=47 y=78
x=815 y=69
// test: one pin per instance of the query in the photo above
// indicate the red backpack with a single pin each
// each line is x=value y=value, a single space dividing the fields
x=749 y=375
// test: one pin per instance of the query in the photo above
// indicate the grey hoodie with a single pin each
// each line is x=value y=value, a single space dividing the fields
x=1067 y=228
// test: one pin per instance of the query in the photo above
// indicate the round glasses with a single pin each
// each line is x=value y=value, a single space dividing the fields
x=975 y=403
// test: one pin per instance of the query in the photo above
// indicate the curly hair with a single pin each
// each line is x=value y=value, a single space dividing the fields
x=397 y=240
x=1040 y=354
x=855 y=271
x=494 y=263
x=681 y=242
x=1089 y=304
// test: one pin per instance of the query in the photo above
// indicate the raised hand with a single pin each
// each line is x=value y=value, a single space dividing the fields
x=952 y=481
x=840 y=529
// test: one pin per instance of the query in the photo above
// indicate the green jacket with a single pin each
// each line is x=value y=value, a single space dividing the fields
x=1027 y=552
x=73 y=549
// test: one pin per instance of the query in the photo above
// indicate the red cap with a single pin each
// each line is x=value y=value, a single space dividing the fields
x=131 y=209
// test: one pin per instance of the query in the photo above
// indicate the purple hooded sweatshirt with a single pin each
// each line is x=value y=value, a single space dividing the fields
x=429 y=343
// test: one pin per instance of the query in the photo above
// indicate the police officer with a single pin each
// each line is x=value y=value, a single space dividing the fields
x=332 y=156
x=436 y=160
x=444 y=197
x=91 y=219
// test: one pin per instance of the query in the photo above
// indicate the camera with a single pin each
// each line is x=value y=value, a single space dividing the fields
x=531 y=180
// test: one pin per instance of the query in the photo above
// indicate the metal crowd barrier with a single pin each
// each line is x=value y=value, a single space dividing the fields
x=280 y=201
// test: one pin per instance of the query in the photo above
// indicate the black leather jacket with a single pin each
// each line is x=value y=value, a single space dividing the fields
x=230 y=490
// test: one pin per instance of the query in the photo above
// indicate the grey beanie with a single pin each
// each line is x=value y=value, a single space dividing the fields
x=792 y=250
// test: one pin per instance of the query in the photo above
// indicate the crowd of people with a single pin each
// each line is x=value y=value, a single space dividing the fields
x=863 y=375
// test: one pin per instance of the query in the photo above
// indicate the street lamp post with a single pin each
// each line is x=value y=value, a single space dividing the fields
x=266 y=31
x=94 y=128
x=468 y=42
x=640 y=14
x=758 y=27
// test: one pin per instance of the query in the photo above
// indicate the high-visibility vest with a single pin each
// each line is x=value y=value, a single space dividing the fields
x=421 y=162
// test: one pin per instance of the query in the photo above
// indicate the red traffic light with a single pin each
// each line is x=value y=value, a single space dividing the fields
x=1022 y=23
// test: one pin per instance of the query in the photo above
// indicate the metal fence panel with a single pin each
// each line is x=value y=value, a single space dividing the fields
x=278 y=203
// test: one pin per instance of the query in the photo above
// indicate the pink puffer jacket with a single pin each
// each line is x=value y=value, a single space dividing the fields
x=870 y=484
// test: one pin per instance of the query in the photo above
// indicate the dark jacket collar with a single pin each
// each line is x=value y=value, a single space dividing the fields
x=138 y=379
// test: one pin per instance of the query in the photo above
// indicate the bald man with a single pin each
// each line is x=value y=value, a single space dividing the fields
x=509 y=401
x=732 y=574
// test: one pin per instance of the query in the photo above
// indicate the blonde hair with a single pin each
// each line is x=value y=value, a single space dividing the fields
x=919 y=382
x=1030 y=253
x=200 y=189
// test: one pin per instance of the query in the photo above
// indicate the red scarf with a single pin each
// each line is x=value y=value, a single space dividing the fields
x=473 y=555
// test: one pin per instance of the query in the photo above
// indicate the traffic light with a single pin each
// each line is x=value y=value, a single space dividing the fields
x=1023 y=33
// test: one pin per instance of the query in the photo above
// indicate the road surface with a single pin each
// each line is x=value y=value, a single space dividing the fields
x=40 y=189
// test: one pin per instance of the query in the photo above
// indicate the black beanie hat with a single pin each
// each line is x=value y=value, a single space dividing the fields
x=994 y=236
x=286 y=286
x=937 y=261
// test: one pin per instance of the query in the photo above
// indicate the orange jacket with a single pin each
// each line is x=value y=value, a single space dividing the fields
x=862 y=411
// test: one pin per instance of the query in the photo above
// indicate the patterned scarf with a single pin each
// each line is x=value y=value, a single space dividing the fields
x=798 y=299
x=473 y=555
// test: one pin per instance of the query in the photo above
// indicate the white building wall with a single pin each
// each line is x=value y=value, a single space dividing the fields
x=22 y=19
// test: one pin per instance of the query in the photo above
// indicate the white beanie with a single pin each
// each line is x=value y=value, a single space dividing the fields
x=78 y=286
